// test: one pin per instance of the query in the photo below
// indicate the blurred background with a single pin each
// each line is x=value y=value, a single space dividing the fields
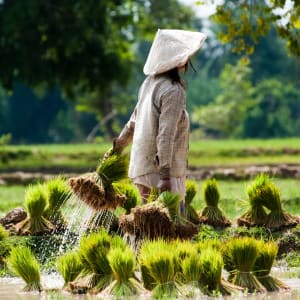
x=71 y=69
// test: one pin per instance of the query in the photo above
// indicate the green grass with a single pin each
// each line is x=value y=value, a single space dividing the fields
x=64 y=157
x=11 y=197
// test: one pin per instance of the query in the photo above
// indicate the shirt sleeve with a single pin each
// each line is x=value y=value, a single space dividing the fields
x=172 y=105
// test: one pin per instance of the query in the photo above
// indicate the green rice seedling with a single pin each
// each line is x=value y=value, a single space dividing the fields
x=3 y=233
x=131 y=193
x=266 y=256
x=58 y=193
x=96 y=189
x=36 y=203
x=255 y=214
x=70 y=266
x=212 y=214
x=184 y=229
x=278 y=218
x=209 y=272
x=239 y=255
x=122 y=263
x=208 y=243
x=146 y=250
x=22 y=262
x=154 y=194
x=97 y=273
x=191 y=191
x=162 y=270
x=182 y=250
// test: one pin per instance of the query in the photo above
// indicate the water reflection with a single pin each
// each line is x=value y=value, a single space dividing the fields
x=11 y=289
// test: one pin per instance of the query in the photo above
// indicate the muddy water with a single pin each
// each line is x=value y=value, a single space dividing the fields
x=11 y=289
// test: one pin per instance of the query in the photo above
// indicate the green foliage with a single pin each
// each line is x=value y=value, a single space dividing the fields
x=211 y=192
x=226 y=113
x=22 y=262
x=69 y=265
x=3 y=233
x=244 y=22
x=171 y=201
x=36 y=200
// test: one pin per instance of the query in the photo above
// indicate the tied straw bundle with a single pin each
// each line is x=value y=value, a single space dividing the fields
x=96 y=189
x=212 y=214
x=263 y=264
x=255 y=214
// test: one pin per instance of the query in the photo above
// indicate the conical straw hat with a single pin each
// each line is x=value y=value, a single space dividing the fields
x=172 y=48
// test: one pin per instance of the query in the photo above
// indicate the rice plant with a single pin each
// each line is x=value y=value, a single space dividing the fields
x=146 y=250
x=184 y=229
x=96 y=189
x=131 y=193
x=122 y=263
x=278 y=218
x=263 y=264
x=212 y=214
x=22 y=262
x=255 y=214
x=97 y=273
x=239 y=256
x=69 y=265
x=36 y=203
x=190 y=212
x=58 y=193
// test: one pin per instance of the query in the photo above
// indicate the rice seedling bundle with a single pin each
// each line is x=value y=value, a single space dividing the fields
x=97 y=273
x=255 y=214
x=278 y=218
x=184 y=229
x=162 y=270
x=96 y=189
x=58 y=193
x=36 y=203
x=22 y=262
x=190 y=212
x=122 y=262
x=263 y=264
x=146 y=250
x=212 y=214
x=149 y=221
x=131 y=193
x=209 y=272
x=240 y=256
x=69 y=265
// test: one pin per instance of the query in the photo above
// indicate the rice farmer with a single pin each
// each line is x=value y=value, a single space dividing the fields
x=159 y=125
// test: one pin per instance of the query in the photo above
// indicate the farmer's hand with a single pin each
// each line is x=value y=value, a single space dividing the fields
x=115 y=149
x=164 y=184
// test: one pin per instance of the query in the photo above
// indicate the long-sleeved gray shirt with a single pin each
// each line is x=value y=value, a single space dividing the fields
x=159 y=128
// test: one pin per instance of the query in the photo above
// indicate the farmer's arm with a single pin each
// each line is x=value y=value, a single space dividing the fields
x=171 y=108
x=126 y=135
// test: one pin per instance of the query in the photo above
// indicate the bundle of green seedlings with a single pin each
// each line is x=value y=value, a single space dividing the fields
x=212 y=214
x=22 y=262
x=36 y=204
x=123 y=264
x=96 y=274
x=131 y=193
x=159 y=271
x=204 y=270
x=184 y=229
x=255 y=214
x=277 y=218
x=58 y=193
x=266 y=256
x=239 y=256
x=149 y=221
x=69 y=266
x=96 y=189
x=190 y=212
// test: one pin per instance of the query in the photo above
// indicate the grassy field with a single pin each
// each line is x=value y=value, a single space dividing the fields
x=233 y=196
x=201 y=153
